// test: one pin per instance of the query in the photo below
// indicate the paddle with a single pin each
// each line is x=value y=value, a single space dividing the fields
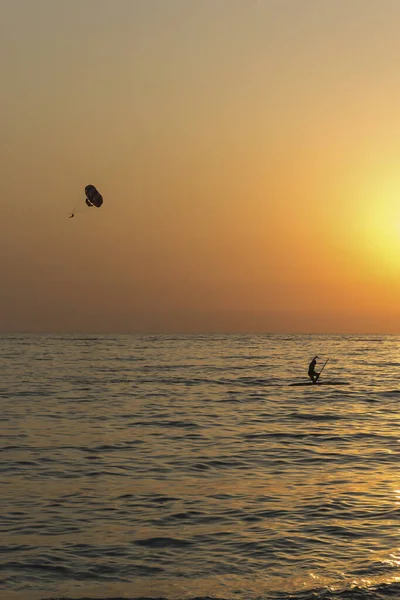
x=323 y=367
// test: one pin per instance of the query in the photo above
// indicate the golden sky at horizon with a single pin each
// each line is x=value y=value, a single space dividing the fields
x=248 y=152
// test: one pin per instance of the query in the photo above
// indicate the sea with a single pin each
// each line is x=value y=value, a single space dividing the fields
x=187 y=466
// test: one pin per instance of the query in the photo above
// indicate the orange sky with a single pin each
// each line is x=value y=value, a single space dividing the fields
x=248 y=152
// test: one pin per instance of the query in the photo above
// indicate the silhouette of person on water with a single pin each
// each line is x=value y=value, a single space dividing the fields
x=313 y=375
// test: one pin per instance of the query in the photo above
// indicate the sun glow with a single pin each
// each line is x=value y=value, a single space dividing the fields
x=379 y=228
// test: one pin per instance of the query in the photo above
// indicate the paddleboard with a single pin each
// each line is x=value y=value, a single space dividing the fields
x=301 y=383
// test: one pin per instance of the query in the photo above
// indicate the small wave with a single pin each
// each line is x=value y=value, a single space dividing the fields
x=390 y=393
x=163 y=542
x=256 y=381
x=386 y=591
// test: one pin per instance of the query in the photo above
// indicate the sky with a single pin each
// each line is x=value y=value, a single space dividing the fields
x=248 y=153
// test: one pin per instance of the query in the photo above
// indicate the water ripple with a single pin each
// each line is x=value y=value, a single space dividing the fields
x=186 y=466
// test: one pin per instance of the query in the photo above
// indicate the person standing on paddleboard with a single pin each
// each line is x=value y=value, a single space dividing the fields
x=313 y=375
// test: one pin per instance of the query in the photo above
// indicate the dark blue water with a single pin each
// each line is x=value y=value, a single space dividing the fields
x=186 y=466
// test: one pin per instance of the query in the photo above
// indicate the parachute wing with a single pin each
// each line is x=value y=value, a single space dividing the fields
x=93 y=197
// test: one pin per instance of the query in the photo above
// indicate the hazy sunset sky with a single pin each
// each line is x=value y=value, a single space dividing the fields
x=248 y=152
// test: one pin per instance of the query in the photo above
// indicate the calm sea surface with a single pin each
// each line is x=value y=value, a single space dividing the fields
x=186 y=466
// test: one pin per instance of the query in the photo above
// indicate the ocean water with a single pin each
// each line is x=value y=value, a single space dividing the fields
x=181 y=467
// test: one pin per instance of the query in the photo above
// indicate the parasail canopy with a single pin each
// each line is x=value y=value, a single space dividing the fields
x=93 y=197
